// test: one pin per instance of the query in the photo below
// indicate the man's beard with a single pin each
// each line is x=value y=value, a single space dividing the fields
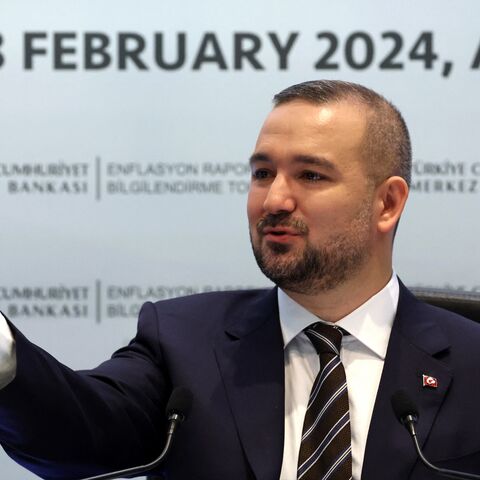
x=314 y=268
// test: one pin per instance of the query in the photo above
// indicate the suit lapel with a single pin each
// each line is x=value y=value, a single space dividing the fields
x=414 y=348
x=250 y=358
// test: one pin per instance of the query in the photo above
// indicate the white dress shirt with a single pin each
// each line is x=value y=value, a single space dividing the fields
x=8 y=361
x=362 y=353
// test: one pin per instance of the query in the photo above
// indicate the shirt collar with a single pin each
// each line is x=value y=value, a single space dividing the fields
x=371 y=323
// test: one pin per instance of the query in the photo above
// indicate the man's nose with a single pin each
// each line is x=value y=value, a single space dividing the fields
x=280 y=197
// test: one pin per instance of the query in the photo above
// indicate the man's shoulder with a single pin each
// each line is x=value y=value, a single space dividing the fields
x=213 y=299
x=450 y=306
x=460 y=330
x=455 y=323
x=212 y=308
x=206 y=313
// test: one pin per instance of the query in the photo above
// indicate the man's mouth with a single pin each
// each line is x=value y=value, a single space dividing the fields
x=278 y=229
x=280 y=234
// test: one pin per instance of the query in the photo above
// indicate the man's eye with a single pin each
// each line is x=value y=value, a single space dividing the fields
x=260 y=174
x=312 y=176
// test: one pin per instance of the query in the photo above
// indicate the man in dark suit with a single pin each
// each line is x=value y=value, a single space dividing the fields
x=330 y=175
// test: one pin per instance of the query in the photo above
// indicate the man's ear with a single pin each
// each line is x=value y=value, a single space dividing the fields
x=391 y=196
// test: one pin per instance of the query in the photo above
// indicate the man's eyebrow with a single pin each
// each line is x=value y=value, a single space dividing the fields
x=302 y=159
x=259 y=157
x=315 y=161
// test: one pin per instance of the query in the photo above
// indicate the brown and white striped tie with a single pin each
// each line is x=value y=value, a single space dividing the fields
x=326 y=446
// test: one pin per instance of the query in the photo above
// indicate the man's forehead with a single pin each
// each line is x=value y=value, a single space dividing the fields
x=334 y=123
x=320 y=114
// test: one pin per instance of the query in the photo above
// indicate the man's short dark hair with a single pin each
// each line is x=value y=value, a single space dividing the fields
x=386 y=150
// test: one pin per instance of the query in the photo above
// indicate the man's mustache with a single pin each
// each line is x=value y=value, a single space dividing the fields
x=282 y=220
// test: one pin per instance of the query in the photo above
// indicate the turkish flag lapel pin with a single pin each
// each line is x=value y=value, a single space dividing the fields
x=429 y=381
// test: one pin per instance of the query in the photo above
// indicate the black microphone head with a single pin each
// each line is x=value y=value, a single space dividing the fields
x=403 y=406
x=180 y=402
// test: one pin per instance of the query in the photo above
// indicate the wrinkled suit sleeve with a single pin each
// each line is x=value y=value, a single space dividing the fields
x=64 y=424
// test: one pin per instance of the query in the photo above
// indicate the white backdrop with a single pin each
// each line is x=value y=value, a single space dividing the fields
x=127 y=181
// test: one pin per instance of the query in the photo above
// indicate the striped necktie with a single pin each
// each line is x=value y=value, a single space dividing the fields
x=326 y=446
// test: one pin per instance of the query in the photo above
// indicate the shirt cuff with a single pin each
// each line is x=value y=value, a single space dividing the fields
x=8 y=359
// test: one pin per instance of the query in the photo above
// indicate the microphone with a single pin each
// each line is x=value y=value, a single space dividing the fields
x=178 y=408
x=407 y=414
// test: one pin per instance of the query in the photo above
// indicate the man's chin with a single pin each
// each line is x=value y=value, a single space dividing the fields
x=274 y=265
x=277 y=260
x=277 y=248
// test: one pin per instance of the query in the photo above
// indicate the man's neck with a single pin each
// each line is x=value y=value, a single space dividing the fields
x=332 y=305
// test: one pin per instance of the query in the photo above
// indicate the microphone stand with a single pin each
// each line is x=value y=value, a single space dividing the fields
x=445 y=472
x=178 y=408
x=407 y=414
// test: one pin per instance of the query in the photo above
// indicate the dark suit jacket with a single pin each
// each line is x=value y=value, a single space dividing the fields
x=227 y=349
